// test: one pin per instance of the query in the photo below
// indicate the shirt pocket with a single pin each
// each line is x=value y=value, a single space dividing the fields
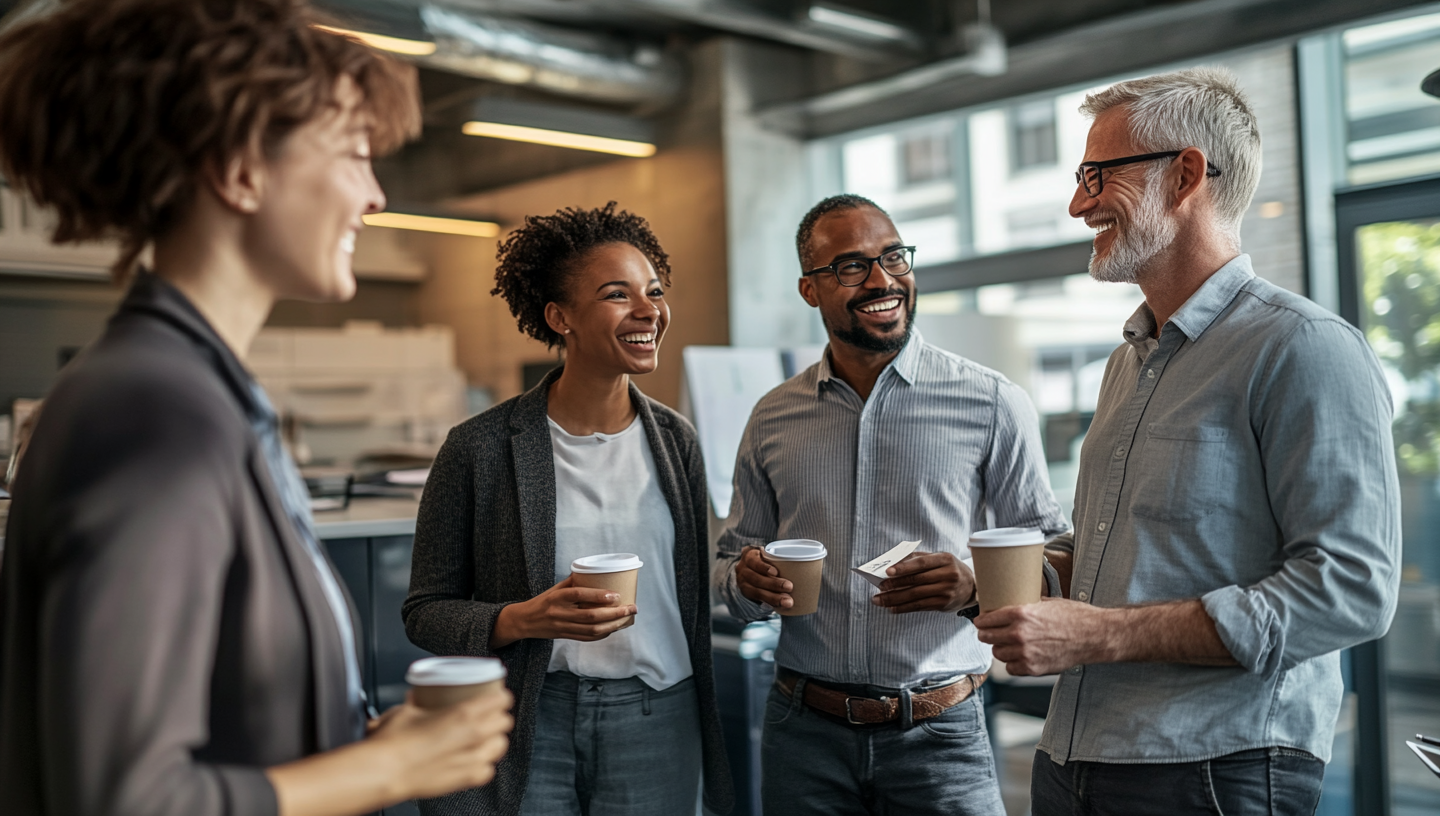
x=1184 y=472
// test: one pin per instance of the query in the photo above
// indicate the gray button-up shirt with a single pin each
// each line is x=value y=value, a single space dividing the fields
x=939 y=441
x=1244 y=458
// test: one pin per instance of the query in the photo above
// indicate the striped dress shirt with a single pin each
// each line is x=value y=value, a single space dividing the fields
x=940 y=442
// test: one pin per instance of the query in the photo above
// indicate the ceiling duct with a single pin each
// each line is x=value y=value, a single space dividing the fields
x=572 y=63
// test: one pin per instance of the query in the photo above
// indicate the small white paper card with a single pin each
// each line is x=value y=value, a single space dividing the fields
x=874 y=571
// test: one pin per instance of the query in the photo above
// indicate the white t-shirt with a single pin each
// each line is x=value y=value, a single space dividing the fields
x=608 y=499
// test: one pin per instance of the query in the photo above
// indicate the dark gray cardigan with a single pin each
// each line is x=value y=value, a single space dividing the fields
x=486 y=538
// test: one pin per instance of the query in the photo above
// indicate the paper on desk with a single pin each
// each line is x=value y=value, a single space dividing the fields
x=874 y=571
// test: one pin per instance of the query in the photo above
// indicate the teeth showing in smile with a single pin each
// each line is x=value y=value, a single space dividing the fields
x=347 y=244
x=638 y=339
x=881 y=305
x=1103 y=227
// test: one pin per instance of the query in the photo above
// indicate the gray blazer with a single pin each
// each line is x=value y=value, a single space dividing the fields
x=163 y=635
x=486 y=538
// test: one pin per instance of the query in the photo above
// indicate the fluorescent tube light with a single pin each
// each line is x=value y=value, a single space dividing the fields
x=560 y=138
x=858 y=24
x=396 y=45
x=430 y=223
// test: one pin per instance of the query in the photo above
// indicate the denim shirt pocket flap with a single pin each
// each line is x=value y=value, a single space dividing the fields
x=1188 y=433
x=1183 y=473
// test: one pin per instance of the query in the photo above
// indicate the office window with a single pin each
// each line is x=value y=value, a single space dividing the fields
x=1392 y=128
x=925 y=157
x=1032 y=135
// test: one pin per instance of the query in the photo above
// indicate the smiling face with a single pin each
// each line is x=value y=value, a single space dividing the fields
x=301 y=237
x=876 y=316
x=1131 y=216
x=615 y=313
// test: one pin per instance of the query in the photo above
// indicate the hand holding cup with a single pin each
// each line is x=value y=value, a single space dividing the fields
x=565 y=611
x=760 y=581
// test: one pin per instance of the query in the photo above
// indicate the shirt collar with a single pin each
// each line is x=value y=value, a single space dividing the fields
x=906 y=364
x=1197 y=313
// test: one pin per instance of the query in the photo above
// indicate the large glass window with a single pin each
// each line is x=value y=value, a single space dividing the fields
x=1399 y=280
x=1392 y=129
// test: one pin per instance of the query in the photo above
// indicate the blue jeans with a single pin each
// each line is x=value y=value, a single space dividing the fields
x=812 y=764
x=614 y=748
x=1268 y=781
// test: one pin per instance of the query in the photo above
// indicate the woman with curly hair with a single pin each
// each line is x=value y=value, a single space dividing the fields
x=173 y=639
x=612 y=718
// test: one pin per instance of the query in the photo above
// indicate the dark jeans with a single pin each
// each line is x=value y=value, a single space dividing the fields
x=812 y=765
x=1269 y=781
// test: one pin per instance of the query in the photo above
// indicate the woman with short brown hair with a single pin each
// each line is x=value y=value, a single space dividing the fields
x=173 y=639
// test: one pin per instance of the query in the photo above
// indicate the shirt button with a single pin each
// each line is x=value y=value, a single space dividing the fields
x=1150 y=375
x=1101 y=526
x=1082 y=595
x=1075 y=670
x=1119 y=452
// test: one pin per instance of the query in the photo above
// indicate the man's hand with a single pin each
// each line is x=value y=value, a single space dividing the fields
x=1044 y=638
x=927 y=582
x=759 y=581
x=1053 y=635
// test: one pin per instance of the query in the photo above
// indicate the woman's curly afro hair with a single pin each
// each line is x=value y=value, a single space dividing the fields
x=538 y=260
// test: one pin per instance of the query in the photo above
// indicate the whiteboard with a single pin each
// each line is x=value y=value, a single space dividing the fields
x=723 y=385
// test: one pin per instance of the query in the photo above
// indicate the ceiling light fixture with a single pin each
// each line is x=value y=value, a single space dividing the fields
x=568 y=126
x=559 y=138
x=395 y=45
x=858 y=24
x=431 y=223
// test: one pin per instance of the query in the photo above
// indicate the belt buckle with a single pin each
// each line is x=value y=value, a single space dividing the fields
x=849 y=716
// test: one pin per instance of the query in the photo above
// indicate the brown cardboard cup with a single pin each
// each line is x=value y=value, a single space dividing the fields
x=440 y=682
x=1009 y=566
x=801 y=562
x=617 y=572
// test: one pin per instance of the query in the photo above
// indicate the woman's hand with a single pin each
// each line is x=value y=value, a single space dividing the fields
x=563 y=611
x=410 y=753
x=448 y=749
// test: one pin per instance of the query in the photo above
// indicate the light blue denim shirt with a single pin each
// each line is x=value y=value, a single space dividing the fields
x=1243 y=458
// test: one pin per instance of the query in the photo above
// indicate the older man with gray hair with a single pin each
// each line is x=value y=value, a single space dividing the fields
x=1237 y=513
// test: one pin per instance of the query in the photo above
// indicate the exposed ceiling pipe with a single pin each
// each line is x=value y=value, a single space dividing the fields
x=985 y=55
x=722 y=15
x=594 y=67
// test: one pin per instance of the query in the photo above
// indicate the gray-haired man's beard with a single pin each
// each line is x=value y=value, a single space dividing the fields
x=1145 y=234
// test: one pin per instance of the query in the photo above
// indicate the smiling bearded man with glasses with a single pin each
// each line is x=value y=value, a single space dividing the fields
x=876 y=706
x=1236 y=513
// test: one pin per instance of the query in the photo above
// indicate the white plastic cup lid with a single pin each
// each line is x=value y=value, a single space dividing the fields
x=608 y=562
x=454 y=671
x=1007 y=537
x=795 y=549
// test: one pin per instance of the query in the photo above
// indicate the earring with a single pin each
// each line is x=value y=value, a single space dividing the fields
x=567 y=331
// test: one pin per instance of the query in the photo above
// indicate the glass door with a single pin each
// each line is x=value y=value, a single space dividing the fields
x=1390 y=240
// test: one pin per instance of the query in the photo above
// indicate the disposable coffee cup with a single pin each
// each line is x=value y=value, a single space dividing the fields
x=617 y=572
x=440 y=682
x=801 y=562
x=1009 y=566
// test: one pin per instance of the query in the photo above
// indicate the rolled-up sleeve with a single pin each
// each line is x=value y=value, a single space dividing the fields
x=752 y=522
x=1322 y=420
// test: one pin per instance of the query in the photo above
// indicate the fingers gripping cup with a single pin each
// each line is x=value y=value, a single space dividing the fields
x=801 y=562
x=438 y=682
x=1009 y=566
x=617 y=572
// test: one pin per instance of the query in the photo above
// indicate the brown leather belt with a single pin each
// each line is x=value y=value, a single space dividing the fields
x=884 y=709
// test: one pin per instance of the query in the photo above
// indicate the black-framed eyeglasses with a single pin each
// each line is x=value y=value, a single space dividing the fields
x=1091 y=176
x=896 y=262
